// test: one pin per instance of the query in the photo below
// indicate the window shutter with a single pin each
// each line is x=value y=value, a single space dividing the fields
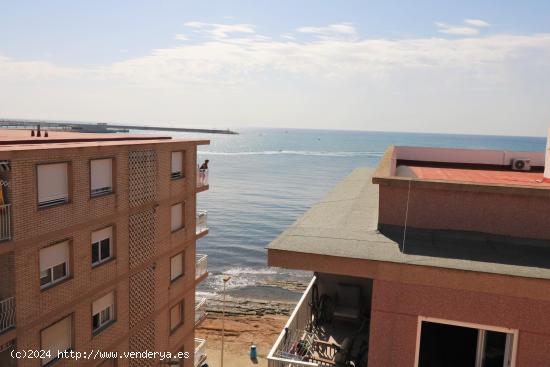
x=56 y=338
x=176 y=266
x=101 y=174
x=102 y=234
x=177 y=162
x=102 y=303
x=54 y=255
x=176 y=216
x=53 y=183
x=175 y=316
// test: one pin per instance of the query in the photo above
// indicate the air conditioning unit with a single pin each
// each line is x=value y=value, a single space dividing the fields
x=521 y=164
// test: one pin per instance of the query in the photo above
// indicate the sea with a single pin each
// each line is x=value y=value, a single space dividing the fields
x=262 y=180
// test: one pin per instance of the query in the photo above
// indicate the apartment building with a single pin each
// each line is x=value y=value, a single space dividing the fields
x=97 y=251
x=440 y=257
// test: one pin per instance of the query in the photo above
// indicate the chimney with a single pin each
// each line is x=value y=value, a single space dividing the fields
x=38 y=131
x=547 y=160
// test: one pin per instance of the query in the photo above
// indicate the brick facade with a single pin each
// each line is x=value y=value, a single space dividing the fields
x=139 y=273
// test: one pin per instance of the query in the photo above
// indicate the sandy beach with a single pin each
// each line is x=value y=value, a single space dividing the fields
x=247 y=322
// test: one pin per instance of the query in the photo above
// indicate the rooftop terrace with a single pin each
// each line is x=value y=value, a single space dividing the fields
x=345 y=224
x=18 y=139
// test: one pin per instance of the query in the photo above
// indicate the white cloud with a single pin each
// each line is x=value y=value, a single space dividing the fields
x=456 y=30
x=342 y=28
x=181 y=37
x=237 y=76
x=477 y=23
x=221 y=31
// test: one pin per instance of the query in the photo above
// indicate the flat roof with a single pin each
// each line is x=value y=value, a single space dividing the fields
x=345 y=224
x=21 y=139
x=475 y=175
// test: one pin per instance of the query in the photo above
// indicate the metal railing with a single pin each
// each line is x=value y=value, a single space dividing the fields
x=281 y=354
x=200 y=310
x=201 y=265
x=202 y=221
x=7 y=314
x=5 y=222
x=200 y=352
x=202 y=177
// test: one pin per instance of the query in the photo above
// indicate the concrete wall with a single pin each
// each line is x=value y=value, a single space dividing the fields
x=396 y=307
x=34 y=228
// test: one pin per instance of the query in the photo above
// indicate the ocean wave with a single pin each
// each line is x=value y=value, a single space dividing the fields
x=250 y=271
x=300 y=152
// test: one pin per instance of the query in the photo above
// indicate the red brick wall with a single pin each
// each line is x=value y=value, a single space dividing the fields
x=396 y=307
x=514 y=215
x=35 y=228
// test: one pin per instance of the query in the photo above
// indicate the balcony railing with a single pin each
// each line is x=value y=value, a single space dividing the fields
x=202 y=177
x=284 y=352
x=200 y=310
x=5 y=222
x=7 y=314
x=201 y=265
x=202 y=221
x=200 y=352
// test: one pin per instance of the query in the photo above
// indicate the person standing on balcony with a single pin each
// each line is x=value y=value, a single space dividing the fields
x=203 y=169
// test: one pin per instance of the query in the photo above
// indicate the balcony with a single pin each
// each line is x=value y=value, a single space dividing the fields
x=201 y=265
x=329 y=326
x=7 y=314
x=202 y=222
x=202 y=178
x=200 y=352
x=200 y=310
x=5 y=222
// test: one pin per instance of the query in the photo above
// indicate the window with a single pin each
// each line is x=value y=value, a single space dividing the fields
x=102 y=245
x=176 y=316
x=103 y=311
x=176 y=266
x=54 y=264
x=101 y=176
x=177 y=170
x=177 y=216
x=53 y=184
x=56 y=338
x=461 y=345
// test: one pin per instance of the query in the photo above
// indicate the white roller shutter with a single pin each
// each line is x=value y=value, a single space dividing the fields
x=102 y=234
x=175 y=316
x=176 y=266
x=104 y=302
x=176 y=216
x=53 y=183
x=56 y=338
x=54 y=255
x=177 y=162
x=101 y=175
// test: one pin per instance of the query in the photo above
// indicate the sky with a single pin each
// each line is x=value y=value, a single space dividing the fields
x=477 y=67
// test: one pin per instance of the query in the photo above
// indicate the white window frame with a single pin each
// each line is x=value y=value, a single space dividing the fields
x=103 y=322
x=50 y=270
x=101 y=261
x=106 y=189
x=480 y=327
x=175 y=174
